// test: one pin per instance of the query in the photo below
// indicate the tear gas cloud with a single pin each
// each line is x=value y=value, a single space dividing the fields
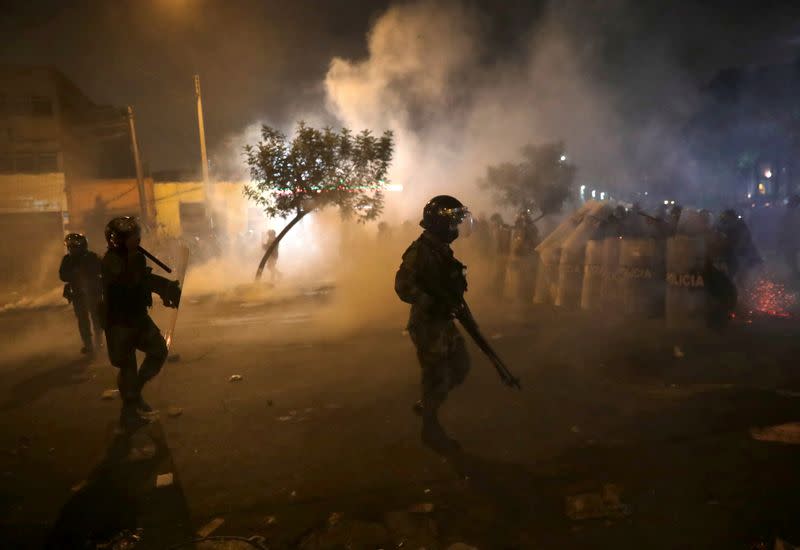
x=455 y=107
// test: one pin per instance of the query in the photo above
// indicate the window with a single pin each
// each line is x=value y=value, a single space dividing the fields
x=25 y=163
x=41 y=106
x=48 y=162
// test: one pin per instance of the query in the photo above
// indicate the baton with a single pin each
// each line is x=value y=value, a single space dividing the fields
x=155 y=260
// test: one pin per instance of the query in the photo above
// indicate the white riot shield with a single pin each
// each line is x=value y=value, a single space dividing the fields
x=183 y=264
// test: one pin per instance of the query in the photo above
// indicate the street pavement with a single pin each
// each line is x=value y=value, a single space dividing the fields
x=625 y=435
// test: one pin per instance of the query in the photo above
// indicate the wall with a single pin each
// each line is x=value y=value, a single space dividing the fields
x=93 y=202
x=229 y=206
x=168 y=197
x=32 y=192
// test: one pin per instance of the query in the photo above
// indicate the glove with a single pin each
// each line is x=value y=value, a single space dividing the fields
x=67 y=293
x=172 y=294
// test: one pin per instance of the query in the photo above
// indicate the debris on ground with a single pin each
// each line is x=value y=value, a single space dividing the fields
x=411 y=531
x=210 y=527
x=677 y=352
x=124 y=540
x=109 y=394
x=174 y=358
x=575 y=429
x=496 y=336
x=782 y=433
x=334 y=518
x=422 y=508
x=603 y=504
x=235 y=378
x=348 y=534
x=164 y=480
x=291 y=415
x=78 y=486
x=461 y=546
x=144 y=449
x=174 y=411
x=270 y=521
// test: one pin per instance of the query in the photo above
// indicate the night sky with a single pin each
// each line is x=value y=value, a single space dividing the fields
x=265 y=60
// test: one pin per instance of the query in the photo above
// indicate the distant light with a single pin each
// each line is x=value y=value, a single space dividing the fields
x=603 y=196
x=768 y=174
x=394 y=187
x=672 y=202
x=645 y=193
x=563 y=158
x=666 y=202
x=762 y=189
x=740 y=216
x=766 y=204
x=749 y=195
x=583 y=188
x=594 y=193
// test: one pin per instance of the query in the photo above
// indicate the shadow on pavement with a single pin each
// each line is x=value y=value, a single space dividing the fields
x=36 y=386
x=120 y=498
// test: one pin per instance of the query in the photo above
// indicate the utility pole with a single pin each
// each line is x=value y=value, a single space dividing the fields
x=138 y=162
x=202 y=130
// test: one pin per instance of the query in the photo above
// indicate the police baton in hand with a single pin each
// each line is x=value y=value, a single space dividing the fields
x=155 y=260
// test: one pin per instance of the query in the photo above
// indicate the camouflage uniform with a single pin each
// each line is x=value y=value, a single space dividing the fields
x=434 y=282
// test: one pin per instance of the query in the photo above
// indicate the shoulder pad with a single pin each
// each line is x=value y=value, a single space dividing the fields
x=411 y=252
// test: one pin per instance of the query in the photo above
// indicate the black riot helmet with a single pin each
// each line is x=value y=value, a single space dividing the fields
x=76 y=243
x=442 y=215
x=119 y=230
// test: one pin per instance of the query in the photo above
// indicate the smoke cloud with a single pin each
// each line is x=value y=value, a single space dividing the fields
x=456 y=104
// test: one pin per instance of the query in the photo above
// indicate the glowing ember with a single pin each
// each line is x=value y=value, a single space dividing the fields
x=770 y=298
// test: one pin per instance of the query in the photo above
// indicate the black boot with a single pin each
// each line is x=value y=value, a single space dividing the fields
x=434 y=436
x=130 y=420
x=142 y=407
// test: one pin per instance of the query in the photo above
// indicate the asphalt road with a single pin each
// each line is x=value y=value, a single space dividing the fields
x=617 y=440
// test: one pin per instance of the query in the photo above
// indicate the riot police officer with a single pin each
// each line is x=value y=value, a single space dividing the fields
x=433 y=281
x=80 y=271
x=127 y=287
x=740 y=251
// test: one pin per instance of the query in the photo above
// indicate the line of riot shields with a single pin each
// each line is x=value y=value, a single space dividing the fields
x=674 y=264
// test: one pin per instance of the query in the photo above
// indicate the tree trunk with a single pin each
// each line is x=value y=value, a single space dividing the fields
x=299 y=216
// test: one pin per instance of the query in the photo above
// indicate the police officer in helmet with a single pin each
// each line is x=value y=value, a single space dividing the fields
x=128 y=284
x=80 y=271
x=434 y=282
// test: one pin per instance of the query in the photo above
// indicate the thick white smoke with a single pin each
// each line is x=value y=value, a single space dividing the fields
x=456 y=106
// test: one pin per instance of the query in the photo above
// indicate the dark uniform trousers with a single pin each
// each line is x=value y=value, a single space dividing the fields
x=86 y=308
x=123 y=340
